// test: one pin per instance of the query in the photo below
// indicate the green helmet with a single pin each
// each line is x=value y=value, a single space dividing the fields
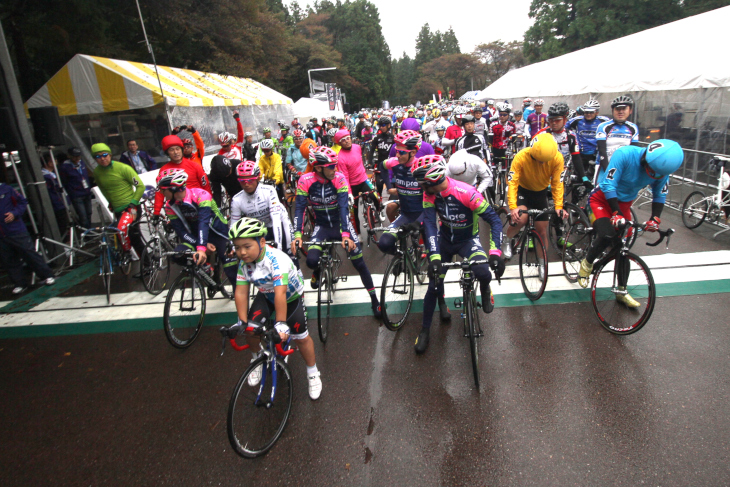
x=247 y=228
x=100 y=147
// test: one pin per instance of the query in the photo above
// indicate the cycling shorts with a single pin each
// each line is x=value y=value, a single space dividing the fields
x=601 y=209
x=296 y=315
x=533 y=200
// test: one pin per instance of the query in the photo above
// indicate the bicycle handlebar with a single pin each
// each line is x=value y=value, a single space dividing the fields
x=662 y=235
x=230 y=333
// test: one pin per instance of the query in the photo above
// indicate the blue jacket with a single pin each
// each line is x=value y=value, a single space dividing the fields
x=148 y=162
x=73 y=179
x=54 y=189
x=11 y=201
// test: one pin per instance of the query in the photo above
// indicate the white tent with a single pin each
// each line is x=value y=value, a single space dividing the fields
x=306 y=108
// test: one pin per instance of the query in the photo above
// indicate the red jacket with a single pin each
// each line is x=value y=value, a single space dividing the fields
x=196 y=179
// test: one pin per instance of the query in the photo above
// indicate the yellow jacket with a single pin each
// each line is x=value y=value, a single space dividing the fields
x=271 y=167
x=534 y=175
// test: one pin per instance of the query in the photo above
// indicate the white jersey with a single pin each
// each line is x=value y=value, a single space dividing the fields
x=469 y=169
x=274 y=269
x=263 y=205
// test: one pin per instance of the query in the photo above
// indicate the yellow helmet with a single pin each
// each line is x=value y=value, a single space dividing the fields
x=543 y=147
x=436 y=113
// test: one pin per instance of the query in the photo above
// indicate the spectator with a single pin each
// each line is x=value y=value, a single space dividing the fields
x=16 y=245
x=137 y=159
x=55 y=192
x=76 y=181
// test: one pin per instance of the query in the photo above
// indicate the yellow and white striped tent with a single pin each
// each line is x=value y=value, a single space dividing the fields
x=90 y=84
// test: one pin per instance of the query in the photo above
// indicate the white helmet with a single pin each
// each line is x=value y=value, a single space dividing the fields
x=248 y=134
x=490 y=102
x=266 y=144
x=460 y=110
x=225 y=138
x=440 y=127
x=591 y=106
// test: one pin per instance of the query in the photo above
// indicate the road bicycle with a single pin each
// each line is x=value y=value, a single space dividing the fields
x=155 y=266
x=185 y=304
x=257 y=415
x=110 y=254
x=697 y=207
x=329 y=268
x=533 y=254
x=372 y=218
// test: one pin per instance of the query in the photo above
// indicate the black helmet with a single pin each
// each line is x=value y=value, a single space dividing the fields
x=558 y=109
x=221 y=166
x=622 y=100
x=74 y=152
x=384 y=121
x=478 y=109
x=468 y=118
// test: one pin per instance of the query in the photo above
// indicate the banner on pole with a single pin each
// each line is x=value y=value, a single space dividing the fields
x=331 y=95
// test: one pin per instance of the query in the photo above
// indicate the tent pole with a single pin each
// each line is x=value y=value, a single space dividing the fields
x=152 y=53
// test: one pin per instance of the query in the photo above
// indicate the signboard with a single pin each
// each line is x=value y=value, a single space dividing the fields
x=331 y=95
x=317 y=85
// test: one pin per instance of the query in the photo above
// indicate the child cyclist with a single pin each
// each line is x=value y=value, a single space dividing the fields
x=281 y=290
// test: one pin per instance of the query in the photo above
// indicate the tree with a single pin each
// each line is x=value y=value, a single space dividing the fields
x=498 y=59
x=447 y=72
x=450 y=44
x=404 y=76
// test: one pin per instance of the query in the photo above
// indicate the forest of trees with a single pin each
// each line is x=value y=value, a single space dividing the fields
x=276 y=44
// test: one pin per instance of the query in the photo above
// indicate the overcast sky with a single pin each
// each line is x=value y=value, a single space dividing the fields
x=473 y=22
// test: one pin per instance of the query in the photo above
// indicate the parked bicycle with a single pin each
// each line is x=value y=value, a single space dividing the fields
x=110 y=254
x=697 y=207
x=533 y=255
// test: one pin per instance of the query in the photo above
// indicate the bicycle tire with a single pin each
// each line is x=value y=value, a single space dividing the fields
x=532 y=285
x=577 y=240
x=575 y=214
x=608 y=311
x=187 y=326
x=242 y=425
x=106 y=274
x=154 y=268
x=398 y=279
x=471 y=316
x=324 y=300
x=371 y=220
x=690 y=206
x=421 y=264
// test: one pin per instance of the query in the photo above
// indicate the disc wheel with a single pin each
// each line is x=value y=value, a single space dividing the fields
x=184 y=311
x=530 y=260
x=396 y=293
x=255 y=421
x=622 y=274
x=324 y=300
x=694 y=210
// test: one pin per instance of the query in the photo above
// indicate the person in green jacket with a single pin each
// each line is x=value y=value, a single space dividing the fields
x=123 y=189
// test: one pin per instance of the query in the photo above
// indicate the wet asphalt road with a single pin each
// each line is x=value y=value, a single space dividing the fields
x=562 y=403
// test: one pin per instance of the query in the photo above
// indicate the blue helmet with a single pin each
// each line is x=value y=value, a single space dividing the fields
x=664 y=156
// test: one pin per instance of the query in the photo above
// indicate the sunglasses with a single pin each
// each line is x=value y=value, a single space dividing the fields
x=247 y=180
x=101 y=156
x=402 y=152
x=504 y=114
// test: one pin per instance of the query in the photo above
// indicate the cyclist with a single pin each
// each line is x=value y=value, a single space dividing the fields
x=349 y=164
x=188 y=152
x=295 y=158
x=247 y=148
x=223 y=176
x=274 y=144
x=470 y=169
x=499 y=134
x=521 y=132
x=472 y=142
x=491 y=109
x=231 y=144
x=457 y=130
x=526 y=108
x=280 y=290
x=457 y=205
x=537 y=120
x=381 y=145
x=481 y=123
x=585 y=127
x=270 y=164
x=326 y=190
x=173 y=147
x=285 y=142
x=631 y=169
x=196 y=220
x=437 y=142
x=260 y=201
x=123 y=189
x=615 y=133
x=533 y=170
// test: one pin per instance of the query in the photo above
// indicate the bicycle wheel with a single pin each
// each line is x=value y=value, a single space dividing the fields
x=184 y=311
x=577 y=240
x=421 y=264
x=694 y=209
x=558 y=228
x=501 y=190
x=530 y=259
x=615 y=316
x=222 y=278
x=472 y=330
x=106 y=273
x=371 y=222
x=255 y=421
x=396 y=293
x=324 y=300
x=155 y=271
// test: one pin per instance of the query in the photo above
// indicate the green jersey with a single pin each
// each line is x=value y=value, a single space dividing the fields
x=119 y=184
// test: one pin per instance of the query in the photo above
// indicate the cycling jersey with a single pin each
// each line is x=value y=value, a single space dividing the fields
x=610 y=136
x=234 y=151
x=349 y=163
x=472 y=143
x=481 y=126
x=458 y=208
x=410 y=194
x=119 y=184
x=568 y=147
x=586 y=132
x=295 y=158
x=381 y=145
x=274 y=268
x=625 y=177
x=534 y=175
x=527 y=111
x=469 y=169
x=438 y=145
x=328 y=200
x=196 y=179
x=263 y=205
x=194 y=216
x=270 y=167
x=453 y=133
x=500 y=133
x=536 y=122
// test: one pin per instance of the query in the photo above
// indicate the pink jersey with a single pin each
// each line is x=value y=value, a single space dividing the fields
x=349 y=163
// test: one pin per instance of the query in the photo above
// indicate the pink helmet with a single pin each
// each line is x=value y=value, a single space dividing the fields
x=248 y=169
x=430 y=169
x=409 y=138
x=341 y=134
x=323 y=156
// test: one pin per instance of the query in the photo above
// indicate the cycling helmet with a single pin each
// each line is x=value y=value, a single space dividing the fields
x=504 y=107
x=284 y=128
x=102 y=147
x=341 y=134
x=543 y=147
x=266 y=144
x=298 y=134
x=408 y=138
x=322 y=156
x=517 y=113
x=174 y=179
x=440 y=127
x=247 y=134
x=478 y=110
x=430 y=169
x=187 y=141
x=266 y=129
x=490 y=102
x=221 y=166
x=468 y=118
x=248 y=169
x=539 y=101
x=526 y=101
x=664 y=156
x=622 y=100
x=579 y=111
x=419 y=113
x=331 y=132
x=558 y=109
x=167 y=142
x=383 y=121
x=368 y=124
x=460 y=111
x=310 y=125
x=247 y=228
x=399 y=114
x=571 y=114
x=225 y=138
x=591 y=106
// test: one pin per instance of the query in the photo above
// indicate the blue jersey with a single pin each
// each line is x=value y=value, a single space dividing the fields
x=586 y=132
x=625 y=177
x=616 y=135
x=527 y=111
x=410 y=194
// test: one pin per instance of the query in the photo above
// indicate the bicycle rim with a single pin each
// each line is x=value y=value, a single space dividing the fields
x=694 y=210
x=254 y=421
x=372 y=223
x=616 y=317
x=577 y=241
x=530 y=268
x=471 y=315
x=324 y=299
x=155 y=268
x=396 y=293
x=106 y=274
x=184 y=311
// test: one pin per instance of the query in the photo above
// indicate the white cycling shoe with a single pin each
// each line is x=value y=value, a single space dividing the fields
x=315 y=386
x=254 y=378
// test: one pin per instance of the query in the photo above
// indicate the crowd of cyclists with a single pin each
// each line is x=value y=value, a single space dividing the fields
x=440 y=162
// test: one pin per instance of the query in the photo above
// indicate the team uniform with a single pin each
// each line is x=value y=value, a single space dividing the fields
x=474 y=144
x=536 y=122
x=610 y=136
x=378 y=155
x=410 y=198
x=586 y=130
x=196 y=179
x=264 y=205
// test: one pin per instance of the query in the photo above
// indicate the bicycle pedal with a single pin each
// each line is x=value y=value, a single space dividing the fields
x=343 y=278
x=457 y=304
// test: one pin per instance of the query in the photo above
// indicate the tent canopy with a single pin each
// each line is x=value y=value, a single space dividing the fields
x=306 y=108
x=659 y=59
x=90 y=84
